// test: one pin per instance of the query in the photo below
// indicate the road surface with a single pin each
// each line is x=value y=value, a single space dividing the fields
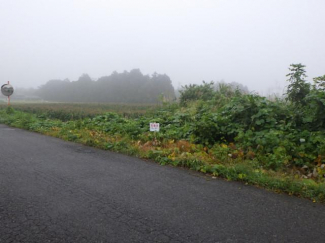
x=56 y=191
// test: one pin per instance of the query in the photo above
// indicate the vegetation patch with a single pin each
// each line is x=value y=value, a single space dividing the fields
x=275 y=144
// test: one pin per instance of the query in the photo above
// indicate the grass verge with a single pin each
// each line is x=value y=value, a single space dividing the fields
x=214 y=161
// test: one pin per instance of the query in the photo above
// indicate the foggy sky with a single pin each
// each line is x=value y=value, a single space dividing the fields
x=252 y=42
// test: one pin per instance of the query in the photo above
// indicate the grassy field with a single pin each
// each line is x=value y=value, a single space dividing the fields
x=75 y=111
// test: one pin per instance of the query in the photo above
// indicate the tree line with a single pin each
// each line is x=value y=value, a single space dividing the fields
x=125 y=87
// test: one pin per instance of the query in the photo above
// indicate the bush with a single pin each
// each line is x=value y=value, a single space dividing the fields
x=195 y=92
x=298 y=88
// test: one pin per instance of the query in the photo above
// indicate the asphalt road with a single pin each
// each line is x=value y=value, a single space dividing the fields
x=56 y=191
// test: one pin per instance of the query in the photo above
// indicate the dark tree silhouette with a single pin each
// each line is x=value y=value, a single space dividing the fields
x=126 y=87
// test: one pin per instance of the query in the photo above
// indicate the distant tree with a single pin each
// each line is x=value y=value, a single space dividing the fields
x=298 y=88
x=229 y=89
x=194 y=92
x=162 y=85
x=85 y=78
x=126 y=87
x=237 y=86
x=53 y=90
x=319 y=82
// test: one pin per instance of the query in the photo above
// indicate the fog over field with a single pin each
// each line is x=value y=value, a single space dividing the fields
x=252 y=42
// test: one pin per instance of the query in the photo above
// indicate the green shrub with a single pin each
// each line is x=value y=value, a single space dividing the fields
x=194 y=92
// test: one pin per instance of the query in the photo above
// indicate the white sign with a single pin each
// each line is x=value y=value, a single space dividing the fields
x=154 y=127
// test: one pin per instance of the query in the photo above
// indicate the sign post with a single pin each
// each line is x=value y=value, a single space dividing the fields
x=7 y=90
x=154 y=127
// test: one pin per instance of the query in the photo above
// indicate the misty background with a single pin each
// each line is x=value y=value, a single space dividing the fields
x=245 y=41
